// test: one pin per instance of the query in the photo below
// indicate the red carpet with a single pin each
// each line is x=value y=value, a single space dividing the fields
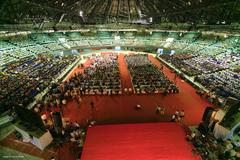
x=125 y=75
x=148 y=141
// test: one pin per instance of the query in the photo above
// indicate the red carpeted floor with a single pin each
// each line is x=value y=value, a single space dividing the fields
x=120 y=109
x=148 y=141
x=125 y=75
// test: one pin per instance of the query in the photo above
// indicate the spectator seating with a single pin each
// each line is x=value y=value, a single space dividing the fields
x=102 y=77
x=21 y=81
x=224 y=83
x=194 y=65
x=146 y=77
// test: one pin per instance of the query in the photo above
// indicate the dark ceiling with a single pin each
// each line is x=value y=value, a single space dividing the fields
x=125 y=11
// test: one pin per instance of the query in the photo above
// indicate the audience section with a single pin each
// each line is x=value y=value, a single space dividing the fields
x=21 y=82
x=146 y=77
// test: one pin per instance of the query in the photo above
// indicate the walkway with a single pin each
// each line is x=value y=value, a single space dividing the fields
x=124 y=73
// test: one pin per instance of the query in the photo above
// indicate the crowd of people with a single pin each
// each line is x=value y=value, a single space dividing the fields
x=22 y=81
x=177 y=61
x=178 y=116
x=100 y=78
x=224 y=83
x=210 y=148
x=203 y=64
x=192 y=64
x=218 y=73
x=146 y=77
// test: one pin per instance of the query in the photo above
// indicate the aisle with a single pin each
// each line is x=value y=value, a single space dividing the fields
x=191 y=102
x=124 y=73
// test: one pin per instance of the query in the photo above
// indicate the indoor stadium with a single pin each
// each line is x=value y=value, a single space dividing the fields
x=120 y=79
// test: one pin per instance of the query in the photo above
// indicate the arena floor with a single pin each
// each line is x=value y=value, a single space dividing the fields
x=120 y=108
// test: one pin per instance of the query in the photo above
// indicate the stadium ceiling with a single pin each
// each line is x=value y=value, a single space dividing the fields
x=120 y=11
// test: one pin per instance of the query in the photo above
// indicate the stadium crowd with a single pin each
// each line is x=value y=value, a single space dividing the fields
x=194 y=65
x=177 y=61
x=20 y=82
x=217 y=73
x=224 y=83
x=146 y=77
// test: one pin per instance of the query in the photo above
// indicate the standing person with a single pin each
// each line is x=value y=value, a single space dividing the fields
x=173 y=118
x=138 y=107
x=177 y=116
x=79 y=100
x=181 y=115
x=158 y=109
x=161 y=67
x=175 y=78
x=92 y=105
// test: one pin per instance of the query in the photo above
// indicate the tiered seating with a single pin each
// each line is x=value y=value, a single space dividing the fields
x=22 y=42
x=202 y=64
x=105 y=35
x=194 y=65
x=196 y=46
x=158 y=36
x=53 y=46
x=21 y=81
x=38 y=49
x=73 y=36
x=212 y=50
x=5 y=58
x=41 y=38
x=17 y=90
x=179 y=45
x=178 y=61
x=81 y=43
x=224 y=83
x=228 y=59
x=94 y=42
x=106 y=42
x=19 y=53
x=6 y=46
x=146 y=77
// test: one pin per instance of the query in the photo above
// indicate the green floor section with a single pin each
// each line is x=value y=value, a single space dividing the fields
x=7 y=153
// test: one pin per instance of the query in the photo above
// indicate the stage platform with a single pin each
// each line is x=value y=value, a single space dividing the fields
x=144 y=141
